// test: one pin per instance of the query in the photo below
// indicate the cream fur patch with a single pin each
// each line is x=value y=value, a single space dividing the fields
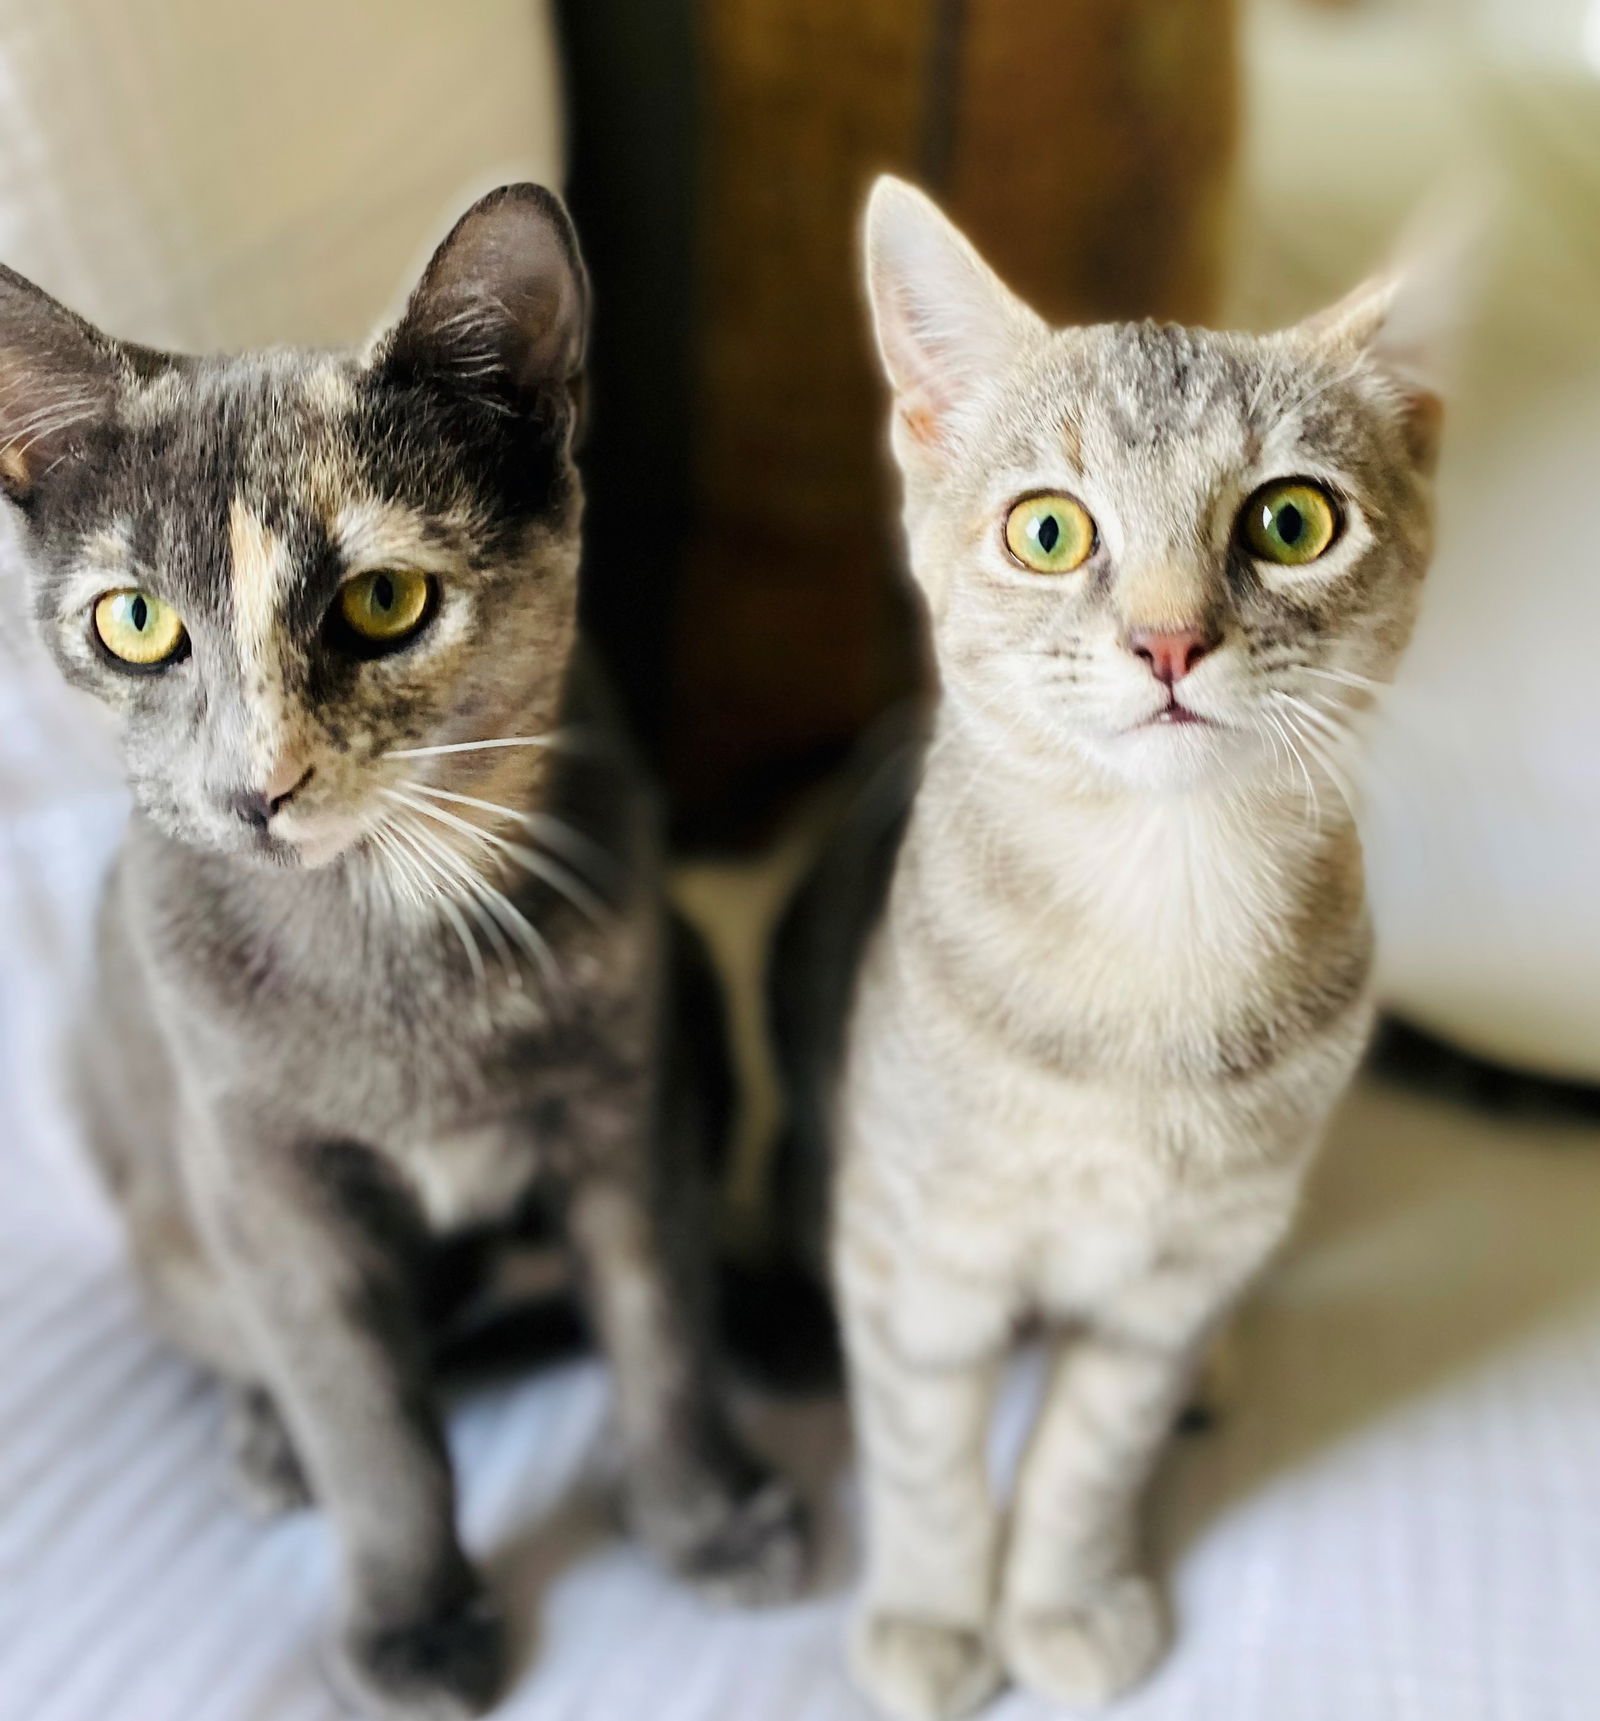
x=261 y=575
x=375 y=534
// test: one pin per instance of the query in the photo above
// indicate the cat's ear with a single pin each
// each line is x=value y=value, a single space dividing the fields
x=1408 y=318
x=946 y=323
x=502 y=309
x=58 y=379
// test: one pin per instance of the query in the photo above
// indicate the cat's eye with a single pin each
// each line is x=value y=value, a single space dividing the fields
x=1289 y=523
x=1050 y=534
x=139 y=629
x=384 y=608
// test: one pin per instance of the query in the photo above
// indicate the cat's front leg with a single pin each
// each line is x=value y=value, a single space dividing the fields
x=924 y=1353
x=321 y=1285
x=1080 y=1620
x=715 y=1513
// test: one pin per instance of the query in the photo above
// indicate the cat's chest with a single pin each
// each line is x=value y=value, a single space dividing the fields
x=1154 y=949
x=467 y=1175
x=398 y=1041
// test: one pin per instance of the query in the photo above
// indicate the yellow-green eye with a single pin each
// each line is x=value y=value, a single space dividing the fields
x=1290 y=523
x=139 y=629
x=1050 y=534
x=386 y=606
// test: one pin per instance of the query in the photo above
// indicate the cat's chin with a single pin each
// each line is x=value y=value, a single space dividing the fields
x=1172 y=756
x=308 y=852
x=313 y=854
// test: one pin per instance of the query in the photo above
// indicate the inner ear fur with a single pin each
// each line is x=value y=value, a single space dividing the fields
x=945 y=323
x=58 y=379
x=502 y=309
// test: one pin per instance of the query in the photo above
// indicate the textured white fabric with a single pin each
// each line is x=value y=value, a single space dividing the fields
x=1400 y=1521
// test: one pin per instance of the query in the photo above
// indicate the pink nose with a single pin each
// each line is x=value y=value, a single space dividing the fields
x=1171 y=655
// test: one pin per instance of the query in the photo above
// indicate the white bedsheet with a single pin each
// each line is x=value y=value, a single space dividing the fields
x=1400 y=1521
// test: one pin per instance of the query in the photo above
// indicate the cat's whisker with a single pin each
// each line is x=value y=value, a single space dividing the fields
x=1313 y=802
x=398 y=879
x=1275 y=736
x=456 y=871
x=437 y=885
x=1350 y=701
x=1334 y=763
x=549 y=871
x=469 y=883
x=58 y=415
x=1334 y=775
x=552 y=740
x=554 y=832
x=522 y=929
x=496 y=902
x=1337 y=732
x=1273 y=730
x=417 y=879
x=447 y=906
x=1349 y=677
x=580 y=849
x=1322 y=745
x=453 y=870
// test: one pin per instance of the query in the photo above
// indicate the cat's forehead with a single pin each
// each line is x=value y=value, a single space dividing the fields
x=302 y=452
x=281 y=429
x=1148 y=382
x=1145 y=395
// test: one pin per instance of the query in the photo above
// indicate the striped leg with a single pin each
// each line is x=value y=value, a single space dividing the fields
x=1080 y=1622
x=921 y=1645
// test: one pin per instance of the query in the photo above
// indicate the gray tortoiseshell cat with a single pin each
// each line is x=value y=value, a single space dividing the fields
x=1120 y=976
x=357 y=992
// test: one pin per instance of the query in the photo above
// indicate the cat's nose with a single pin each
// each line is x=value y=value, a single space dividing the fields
x=256 y=806
x=1171 y=655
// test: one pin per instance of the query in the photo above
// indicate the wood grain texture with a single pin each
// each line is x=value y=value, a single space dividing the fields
x=1092 y=149
x=788 y=632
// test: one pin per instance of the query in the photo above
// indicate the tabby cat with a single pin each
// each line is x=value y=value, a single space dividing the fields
x=382 y=958
x=1120 y=976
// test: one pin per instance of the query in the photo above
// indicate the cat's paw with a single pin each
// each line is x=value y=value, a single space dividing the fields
x=267 y=1473
x=742 y=1550
x=449 y=1666
x=922 y=1669
x=1086 y=1654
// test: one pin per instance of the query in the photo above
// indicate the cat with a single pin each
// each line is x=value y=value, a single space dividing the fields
x=382 y=956
x=1118 y=972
